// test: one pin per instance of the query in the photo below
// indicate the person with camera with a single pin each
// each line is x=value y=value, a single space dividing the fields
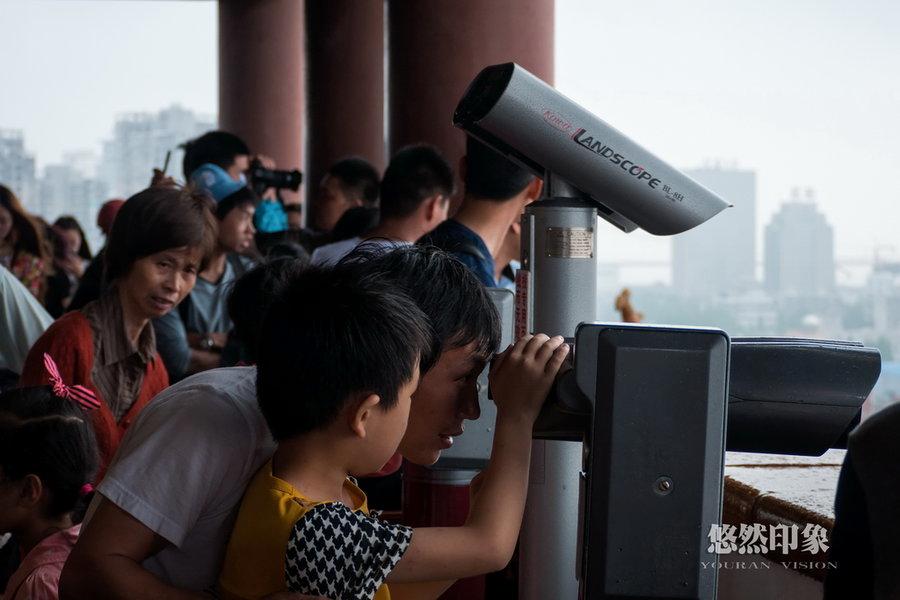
x=266 y=180
x=275 y=221
x=257 y=171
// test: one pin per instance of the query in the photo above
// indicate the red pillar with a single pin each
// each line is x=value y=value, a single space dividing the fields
x=436 y=49
x=345 y=62
x=261 y=47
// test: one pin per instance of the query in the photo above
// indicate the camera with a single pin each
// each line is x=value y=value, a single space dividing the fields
x=262 y=178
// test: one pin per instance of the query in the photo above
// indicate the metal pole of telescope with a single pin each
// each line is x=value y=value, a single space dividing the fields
x=559 y=278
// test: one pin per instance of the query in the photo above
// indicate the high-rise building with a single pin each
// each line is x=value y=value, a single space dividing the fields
x=140 y=142
x=799 y=249
x=83 y=161
x=64 y=190
x=17 y=168
x=720 y=255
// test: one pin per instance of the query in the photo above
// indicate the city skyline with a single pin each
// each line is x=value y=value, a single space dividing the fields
x=718 y=285
x=139 y=141
x=784 y=96
x=80 y=183
x=793 y=91
x=799 y=249
x=721 y=254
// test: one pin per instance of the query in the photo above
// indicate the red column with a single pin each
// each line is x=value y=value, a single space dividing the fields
x=261 y=47
x=345 y=66
x=436 y=49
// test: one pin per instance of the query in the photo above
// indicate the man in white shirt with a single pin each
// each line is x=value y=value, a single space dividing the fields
x=163 y=513
x=415 y=197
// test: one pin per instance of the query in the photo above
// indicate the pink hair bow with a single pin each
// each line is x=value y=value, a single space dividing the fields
x=77 y=393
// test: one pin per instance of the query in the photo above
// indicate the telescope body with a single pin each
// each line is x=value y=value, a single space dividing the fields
x=527 y=120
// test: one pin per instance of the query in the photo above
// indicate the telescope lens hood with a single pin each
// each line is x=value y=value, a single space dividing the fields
x=482 y=94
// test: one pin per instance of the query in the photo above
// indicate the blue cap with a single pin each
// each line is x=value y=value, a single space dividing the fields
x=215 y=181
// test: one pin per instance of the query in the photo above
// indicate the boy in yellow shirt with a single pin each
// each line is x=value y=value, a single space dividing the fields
x=340 y=357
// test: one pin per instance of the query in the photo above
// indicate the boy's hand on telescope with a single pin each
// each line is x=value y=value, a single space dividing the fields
x=522 y=375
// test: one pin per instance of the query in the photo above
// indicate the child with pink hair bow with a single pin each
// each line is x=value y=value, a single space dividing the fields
x=48 y=456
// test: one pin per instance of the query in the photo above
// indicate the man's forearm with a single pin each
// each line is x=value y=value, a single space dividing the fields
x=202 y=360
x=116 y=578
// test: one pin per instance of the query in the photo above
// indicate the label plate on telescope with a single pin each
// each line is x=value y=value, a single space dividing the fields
x=569 y=242
x=521 y=314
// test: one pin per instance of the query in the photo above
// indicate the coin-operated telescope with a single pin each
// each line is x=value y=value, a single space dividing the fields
x=632 y=440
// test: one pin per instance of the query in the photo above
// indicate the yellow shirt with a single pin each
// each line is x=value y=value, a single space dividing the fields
x=284 y=541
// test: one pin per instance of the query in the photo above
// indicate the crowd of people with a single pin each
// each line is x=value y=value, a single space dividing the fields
x=195 y=407
x=200 y=408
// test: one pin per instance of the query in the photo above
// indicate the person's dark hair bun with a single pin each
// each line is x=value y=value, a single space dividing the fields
x=53 y=438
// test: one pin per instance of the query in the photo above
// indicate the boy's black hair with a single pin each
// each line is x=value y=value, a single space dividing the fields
x=216 y=147
x=455 y=302
x=51 y=437
x=329 y=336
x=239 y=199
x=492 y=176
x=358 y=179
x=415 y=173
x=253 y=293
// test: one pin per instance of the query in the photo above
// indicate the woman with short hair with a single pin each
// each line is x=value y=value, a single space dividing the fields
x=161 y=239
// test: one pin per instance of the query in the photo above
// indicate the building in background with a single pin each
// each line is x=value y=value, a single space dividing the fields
x=83 y=161
x=719 y=256
x=69 y=188
x=799 y=249
x=140 y=142
x=82 y=181
x=65 y=189
x=17 y=168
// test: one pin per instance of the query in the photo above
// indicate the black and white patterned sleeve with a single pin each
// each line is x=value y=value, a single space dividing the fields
x=341 y=554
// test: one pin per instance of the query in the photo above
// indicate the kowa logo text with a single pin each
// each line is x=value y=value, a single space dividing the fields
x=598 y=147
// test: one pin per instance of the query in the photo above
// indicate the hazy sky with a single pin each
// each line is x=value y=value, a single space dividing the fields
x=70 y=66
x=804 y=92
